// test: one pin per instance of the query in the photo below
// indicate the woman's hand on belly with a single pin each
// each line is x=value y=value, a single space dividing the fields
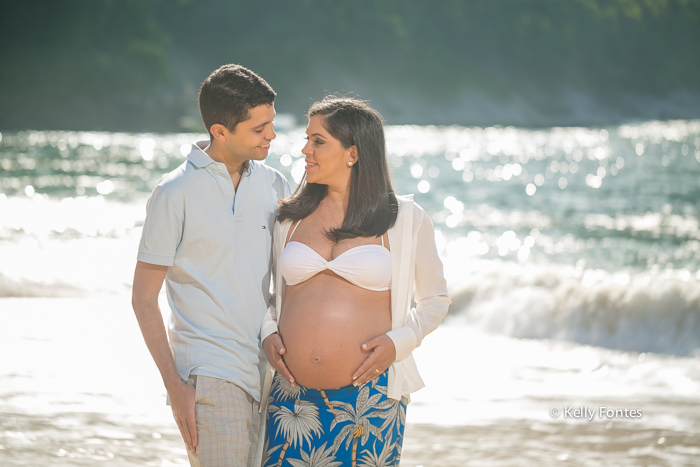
x=274 y=349
x=382 y=353
x=324 y=323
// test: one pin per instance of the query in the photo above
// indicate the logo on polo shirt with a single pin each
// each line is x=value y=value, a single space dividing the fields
x=264 y=227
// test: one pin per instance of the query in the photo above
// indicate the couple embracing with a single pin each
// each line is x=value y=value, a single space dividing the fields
x=318 y=372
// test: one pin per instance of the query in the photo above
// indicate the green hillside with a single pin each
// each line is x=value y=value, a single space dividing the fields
x=137 y=64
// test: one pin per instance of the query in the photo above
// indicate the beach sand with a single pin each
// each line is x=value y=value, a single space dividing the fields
x=78 y=387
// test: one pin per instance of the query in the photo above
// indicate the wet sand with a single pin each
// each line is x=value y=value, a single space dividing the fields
x=522 y=443
x=85 y=439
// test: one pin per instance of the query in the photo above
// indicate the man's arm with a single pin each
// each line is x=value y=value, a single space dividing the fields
x=148 y=280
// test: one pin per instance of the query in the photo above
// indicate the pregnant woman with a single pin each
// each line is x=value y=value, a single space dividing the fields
x=347 y=254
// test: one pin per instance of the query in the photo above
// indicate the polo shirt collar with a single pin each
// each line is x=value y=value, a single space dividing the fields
x=201 y=159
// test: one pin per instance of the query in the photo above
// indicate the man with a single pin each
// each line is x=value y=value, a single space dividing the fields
x=208 y=235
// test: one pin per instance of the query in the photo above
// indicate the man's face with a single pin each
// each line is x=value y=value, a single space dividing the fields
x=251 y=138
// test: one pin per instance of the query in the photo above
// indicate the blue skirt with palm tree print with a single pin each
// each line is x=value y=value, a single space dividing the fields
x=349 y=426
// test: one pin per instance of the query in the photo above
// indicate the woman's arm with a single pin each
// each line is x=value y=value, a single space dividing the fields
x=432 y=300
x=432 y=303
x=271 y=341
x=269 y=324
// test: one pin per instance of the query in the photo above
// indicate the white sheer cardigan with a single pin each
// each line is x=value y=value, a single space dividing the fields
x=415 y=262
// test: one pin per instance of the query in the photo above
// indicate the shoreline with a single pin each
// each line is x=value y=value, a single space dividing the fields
x=82 y=389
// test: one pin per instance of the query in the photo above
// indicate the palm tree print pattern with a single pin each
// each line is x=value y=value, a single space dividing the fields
x=349 y=426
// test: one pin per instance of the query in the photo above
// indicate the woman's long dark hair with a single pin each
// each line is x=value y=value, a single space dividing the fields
x=372 y=208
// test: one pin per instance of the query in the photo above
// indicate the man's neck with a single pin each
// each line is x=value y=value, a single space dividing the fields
x=234 y=165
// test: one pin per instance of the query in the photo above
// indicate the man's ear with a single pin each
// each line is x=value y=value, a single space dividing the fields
x=219 y=132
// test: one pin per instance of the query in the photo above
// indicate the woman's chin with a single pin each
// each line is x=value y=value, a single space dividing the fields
x=328 y=179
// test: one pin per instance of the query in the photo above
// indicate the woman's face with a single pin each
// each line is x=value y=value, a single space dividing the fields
x=327 y=161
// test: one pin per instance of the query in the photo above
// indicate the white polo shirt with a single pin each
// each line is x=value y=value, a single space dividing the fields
x=216 y=242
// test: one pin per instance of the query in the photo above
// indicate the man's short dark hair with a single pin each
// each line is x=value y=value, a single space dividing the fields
x=228 y=94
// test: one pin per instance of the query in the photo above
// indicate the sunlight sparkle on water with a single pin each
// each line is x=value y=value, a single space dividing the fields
x=466 y=178
x=298 y=170
x=286 y=160
x=105 y=187
x=593 y=181
x=417 y=171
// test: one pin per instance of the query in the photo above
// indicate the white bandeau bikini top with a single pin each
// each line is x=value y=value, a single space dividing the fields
x=366 y=266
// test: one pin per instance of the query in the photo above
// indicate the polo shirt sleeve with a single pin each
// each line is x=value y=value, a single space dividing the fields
x=162 y=229
x=282 y=187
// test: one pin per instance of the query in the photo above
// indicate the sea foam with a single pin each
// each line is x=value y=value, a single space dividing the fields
x=650 y=311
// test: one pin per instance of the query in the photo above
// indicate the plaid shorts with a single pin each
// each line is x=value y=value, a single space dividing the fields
x=227 y=424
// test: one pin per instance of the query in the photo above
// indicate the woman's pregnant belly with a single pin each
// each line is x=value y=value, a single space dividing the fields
x=324 y=322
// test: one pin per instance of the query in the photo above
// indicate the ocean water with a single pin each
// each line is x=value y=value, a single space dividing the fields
x=572 y=256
